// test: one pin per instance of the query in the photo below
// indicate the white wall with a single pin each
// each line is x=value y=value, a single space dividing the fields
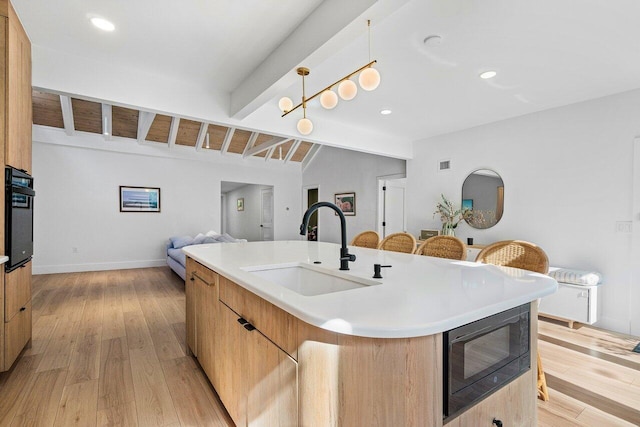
x=567 y=180
x=77 y=204
x=246 y=224
x=336 y=170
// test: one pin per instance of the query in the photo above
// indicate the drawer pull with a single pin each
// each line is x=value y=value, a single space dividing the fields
x=242 y=321
x=249 y=327
x=23 y=308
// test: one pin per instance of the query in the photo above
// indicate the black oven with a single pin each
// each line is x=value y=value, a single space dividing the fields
x=483 y=356
x=19 y=196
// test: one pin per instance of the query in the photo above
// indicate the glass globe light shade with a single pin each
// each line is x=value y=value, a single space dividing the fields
x=347 y=90
x=285 y=104
x=369 y=79
x=328 y=99
x=305 y=126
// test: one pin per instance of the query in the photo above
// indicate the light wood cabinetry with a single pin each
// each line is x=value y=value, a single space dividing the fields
x=15 y=150
x=17 y=313
x=256 y=379
x=202 y=303
x=272 y=368
x=17 y=91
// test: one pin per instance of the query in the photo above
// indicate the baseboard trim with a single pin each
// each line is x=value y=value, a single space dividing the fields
x=77 y=268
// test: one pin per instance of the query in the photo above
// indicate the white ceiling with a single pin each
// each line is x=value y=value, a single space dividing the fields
x=240 y=57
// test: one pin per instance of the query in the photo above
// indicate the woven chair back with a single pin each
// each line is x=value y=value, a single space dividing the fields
x=515 y=253
x=399 y=242
x=366 y=239
x=443 y=247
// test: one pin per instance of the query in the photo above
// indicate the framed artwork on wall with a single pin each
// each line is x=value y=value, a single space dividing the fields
x=240 y=204
x=139 y=199
x=347 y=203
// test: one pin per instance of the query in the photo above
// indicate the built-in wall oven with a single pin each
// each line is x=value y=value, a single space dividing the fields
x=483 y=356
x=19 y=196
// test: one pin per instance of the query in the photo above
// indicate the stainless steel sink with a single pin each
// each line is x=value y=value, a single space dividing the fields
x=309 y=280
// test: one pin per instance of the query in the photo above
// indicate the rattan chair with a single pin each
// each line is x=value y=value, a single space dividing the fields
x=399 y=242
x=443 y=247
x=527 y=256
x=366 y=239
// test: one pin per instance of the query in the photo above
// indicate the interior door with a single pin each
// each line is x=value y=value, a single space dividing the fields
x=393 y=217
x=266 y=214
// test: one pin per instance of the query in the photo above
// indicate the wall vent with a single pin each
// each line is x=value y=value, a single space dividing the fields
x=444 y=165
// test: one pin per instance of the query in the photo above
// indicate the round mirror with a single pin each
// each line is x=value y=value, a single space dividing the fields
x=483 y=197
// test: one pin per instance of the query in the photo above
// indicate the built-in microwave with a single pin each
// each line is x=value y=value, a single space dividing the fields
x=483 y=356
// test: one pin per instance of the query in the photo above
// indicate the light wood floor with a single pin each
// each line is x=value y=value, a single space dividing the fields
x=108 y=349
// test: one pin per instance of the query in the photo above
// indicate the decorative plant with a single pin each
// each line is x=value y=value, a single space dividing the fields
x=450 y=216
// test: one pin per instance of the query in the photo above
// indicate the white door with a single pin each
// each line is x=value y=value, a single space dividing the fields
x=266 y=215
x=634 y=296
x=392 y=218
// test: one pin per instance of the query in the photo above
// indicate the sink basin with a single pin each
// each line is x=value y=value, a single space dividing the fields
x=309 y=280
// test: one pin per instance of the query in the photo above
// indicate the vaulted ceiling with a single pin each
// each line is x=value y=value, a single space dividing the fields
x=227 y=62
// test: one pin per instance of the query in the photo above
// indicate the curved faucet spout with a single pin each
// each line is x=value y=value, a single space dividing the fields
x=345 y=256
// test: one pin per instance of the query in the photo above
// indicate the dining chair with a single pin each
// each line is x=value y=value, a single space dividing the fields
x=527 y=256
x=398 y=242
x=443 y=247
x=366 y=239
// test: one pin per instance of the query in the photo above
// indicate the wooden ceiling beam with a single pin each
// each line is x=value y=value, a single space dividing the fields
x=107 y=122
x=202 y=134
x=173 y=131
x=227 y=140
x=144 y=124
x=67 y=114
x=272 y=143
x=292 y=150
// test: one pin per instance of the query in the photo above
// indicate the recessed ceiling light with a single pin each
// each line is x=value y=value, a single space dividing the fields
x=385 y=112
x=103 y=24
x=488 y=74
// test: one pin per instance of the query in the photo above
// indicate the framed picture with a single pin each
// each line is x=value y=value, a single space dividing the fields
x=426 y=234
x=139 y=199
x=347 y=203
x=240 y=204
x=467 y=204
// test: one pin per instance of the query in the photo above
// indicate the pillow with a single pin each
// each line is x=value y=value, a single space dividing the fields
x=180 y=241
x=210 y=239
x=576 y=277
x=199 y=238
x=212 y=233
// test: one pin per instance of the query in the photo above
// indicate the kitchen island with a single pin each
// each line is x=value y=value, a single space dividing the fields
x=349 y=349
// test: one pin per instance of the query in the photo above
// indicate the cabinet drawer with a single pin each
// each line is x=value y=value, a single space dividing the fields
x=276 y=324
x=17 y=333
x=205 y=274
x=17 y=290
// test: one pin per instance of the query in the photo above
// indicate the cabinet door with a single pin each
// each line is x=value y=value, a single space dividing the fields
x=17 y=334
x=17 y=291
x=206 y=322
x=190 y=298
x=231 y=354
x=19 y=109
x=272 y=398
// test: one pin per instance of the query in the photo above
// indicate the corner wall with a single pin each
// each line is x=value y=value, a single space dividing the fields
x=567 y=181
x=77 y=205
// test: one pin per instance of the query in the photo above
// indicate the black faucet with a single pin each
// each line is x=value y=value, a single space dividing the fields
x=345 y=256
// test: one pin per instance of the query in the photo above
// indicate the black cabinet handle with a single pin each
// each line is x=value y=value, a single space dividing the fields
x=192 y=279
x=242 y=321
x=23 y=308
x=249 y=327
x=497 y=423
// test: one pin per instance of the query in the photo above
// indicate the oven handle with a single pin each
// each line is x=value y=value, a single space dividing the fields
x=23 y=190
x=488 y=328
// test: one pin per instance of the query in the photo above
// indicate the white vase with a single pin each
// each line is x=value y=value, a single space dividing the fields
x=448 y=230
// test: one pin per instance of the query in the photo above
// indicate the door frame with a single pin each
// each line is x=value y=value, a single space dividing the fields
x=380 y=210
x=634 y=289
x=269 y=188
x=305 y=202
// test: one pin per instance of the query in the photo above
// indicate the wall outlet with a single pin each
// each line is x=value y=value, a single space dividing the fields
x=623 y=227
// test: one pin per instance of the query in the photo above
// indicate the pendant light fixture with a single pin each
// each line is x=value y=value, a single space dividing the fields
x=369 y=79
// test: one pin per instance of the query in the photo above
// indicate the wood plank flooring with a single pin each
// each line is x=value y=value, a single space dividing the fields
x=108 y=349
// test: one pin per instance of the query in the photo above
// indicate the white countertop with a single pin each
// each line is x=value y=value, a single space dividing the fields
x=3 y=259
x=417 y=296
